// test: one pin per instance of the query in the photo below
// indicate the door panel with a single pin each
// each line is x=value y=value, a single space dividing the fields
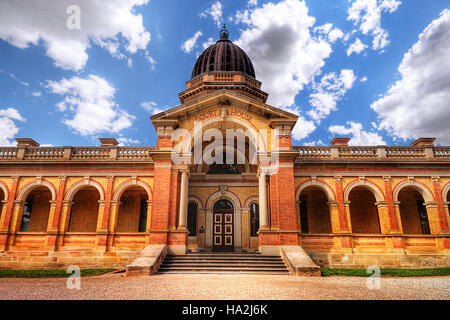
x=223 y=229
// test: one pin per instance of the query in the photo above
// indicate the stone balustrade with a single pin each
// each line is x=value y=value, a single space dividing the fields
x=377 y=152
x=75 y=153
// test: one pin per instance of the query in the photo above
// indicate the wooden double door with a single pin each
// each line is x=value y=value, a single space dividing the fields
x=223 y=226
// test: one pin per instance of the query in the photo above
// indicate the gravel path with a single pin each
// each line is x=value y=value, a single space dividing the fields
x=224 y=287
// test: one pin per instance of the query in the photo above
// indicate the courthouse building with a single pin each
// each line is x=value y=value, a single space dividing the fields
x=343 y=205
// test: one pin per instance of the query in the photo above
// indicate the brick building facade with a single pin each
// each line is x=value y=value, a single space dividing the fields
x=344 y=205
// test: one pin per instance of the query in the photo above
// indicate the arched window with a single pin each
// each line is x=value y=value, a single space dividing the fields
x=254 y=219
x=192 y=219
x=133 y=207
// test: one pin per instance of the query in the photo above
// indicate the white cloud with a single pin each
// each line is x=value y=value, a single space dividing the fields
x=363 y=79
x=356 y=47
x=252 y=3
x=151 y=107
x=90 y=103
x=303 y=128
x=367 y=14
x=279 y=42
x=208 y=43
x=36 y=93
x=335 y=34
x=359 y=137
x=13 y=76
x=328 y=92
x=110 y=24
x=189 y=44
x=418 y=105
x=215 y=11
x=314 y=143
x=127 y=141
x=8 y=128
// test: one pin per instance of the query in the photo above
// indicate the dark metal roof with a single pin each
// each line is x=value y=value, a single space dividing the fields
x=223 y=56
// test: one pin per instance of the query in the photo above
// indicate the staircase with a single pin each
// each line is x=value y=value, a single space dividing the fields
x=224 y=263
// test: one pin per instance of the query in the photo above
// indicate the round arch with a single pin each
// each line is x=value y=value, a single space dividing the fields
x=213 y=198
x=418 y=186
x=239 y=155
x=197 y=200
x=187 y=143
x=379 y=196
x=26 y=189
x=81 y=184
x=5 y=191
x=130 y=183
x=445 y=192
x=250 y=200
x=316 y=183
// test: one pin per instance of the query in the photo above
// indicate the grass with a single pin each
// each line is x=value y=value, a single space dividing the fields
x=59 y=273
x=393 y=272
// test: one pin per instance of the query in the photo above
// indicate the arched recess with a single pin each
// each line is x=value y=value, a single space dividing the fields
x=249 y=201
x=379 y=196
x=188 y=139
x=224 y=195
x=81 y=184
x=421 y=188
x=446 y=192
x=125 y=185
x=239 y=155
x=316 y=183
x=197 y=200
x=26 y=189
x=4 y=188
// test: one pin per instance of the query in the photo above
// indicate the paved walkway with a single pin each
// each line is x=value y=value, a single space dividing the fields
x=224 y=287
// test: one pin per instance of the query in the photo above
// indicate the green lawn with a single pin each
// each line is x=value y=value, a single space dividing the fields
x=49 y=273
x=386 y=272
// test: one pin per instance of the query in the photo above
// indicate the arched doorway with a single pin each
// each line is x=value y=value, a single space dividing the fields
x=223 y=228
x=413 y=212
x=363 y=211
x=36 y=210
x=314 y=211
x=84 y=212
x=132 y=215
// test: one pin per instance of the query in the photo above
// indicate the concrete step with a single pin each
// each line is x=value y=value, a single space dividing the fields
x=223 y=263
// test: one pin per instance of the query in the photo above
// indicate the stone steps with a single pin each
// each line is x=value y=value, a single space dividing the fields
x=223 y=263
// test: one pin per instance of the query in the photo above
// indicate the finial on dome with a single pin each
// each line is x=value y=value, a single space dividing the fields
x=224 y=32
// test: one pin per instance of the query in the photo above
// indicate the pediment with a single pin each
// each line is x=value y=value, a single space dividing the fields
x=237 y=105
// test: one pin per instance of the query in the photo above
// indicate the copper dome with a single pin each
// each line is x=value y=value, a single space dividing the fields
x=223 y=56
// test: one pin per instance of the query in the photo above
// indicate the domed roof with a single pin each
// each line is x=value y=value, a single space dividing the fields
x=223 y=56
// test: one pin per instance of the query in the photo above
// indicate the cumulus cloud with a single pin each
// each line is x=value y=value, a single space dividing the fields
x=286 y=56
x=215 y=11
x=111 y=24
x=418 y=104
x=359 y=137
x=151 y=107
x=190 y=43
x=363 y=79
x=127 y=141
x=367 y=15
x=8 y=128
x=356 y=47
x=89 y=105
x=326 y=94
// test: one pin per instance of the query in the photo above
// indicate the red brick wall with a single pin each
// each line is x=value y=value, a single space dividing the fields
x=40 y=210
x=363 y=212
x=318 y=211
x=130 y=210
x=409 y=212
x=84 y=212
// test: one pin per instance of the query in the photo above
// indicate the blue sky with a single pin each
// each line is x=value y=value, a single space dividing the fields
x=377 y=71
